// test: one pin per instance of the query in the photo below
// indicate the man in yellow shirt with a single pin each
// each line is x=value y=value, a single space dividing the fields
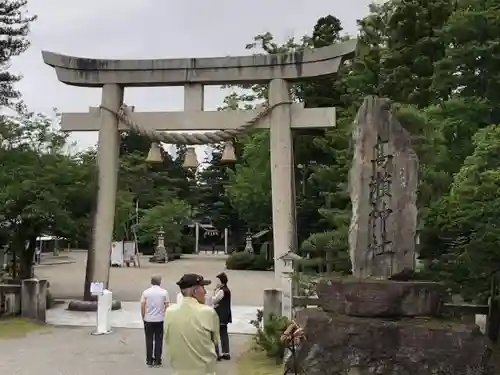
x=191 y=329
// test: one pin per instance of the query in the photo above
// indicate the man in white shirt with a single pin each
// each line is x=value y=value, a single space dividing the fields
x=154 y=302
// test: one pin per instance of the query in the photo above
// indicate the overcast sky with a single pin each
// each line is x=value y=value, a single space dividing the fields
x=156 y=29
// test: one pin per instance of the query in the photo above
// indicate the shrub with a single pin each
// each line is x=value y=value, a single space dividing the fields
x=187 y=244
x=173 y=256
x=269 y=333
x=261 y=263
x=247 y=261
x=239 y=261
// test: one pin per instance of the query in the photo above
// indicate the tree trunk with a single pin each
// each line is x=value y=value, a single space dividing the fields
x=26 y=257
x=329 y=261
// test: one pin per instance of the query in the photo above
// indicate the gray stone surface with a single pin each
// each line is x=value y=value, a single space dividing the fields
x=129 y=317
x=383 y=188
x=34 y=299
x=74 y=351
x=363 y=346
x=87 y=72
x=380 y=298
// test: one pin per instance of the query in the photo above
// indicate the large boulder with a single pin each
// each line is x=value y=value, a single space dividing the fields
x=349 y=345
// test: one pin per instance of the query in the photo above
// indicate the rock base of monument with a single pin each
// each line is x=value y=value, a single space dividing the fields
x=380 y=298
x=366 y=327
x=158 y=258
x=339 y=344
x=80 y=305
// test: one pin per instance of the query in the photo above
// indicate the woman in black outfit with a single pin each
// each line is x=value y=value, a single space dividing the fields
x=222 y=305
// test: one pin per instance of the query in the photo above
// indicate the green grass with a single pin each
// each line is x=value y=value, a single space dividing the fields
x=17 y=327
x=255 y=362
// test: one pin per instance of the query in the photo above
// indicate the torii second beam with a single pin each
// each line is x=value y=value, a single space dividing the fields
x=201 y=120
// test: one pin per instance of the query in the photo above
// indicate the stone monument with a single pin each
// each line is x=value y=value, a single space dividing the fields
x=367 y=323
x=383 y=187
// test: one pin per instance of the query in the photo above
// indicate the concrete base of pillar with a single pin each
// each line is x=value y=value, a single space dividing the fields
x=77 y=305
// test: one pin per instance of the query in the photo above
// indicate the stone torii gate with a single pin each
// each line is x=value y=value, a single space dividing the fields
x=281 y=116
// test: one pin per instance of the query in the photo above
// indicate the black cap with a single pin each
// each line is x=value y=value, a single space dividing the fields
x=191 y=279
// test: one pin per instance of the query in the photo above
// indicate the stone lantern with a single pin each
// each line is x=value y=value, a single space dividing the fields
x=160 y=255
x=248 y=243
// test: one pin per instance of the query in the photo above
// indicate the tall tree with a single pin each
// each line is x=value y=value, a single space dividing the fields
x=14 y=41
x=472 y=53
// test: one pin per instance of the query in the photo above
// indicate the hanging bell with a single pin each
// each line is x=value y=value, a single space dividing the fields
x=154 y=154
x=190 y=159
x=228 y=155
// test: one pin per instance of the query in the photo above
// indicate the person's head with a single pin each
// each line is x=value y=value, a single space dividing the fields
x=156 y=280
x=193 y=285
x=222 y=278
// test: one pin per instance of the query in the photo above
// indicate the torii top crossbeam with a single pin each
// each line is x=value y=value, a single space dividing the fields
x=90 y=72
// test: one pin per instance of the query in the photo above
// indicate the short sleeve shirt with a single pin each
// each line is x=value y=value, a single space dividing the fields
x=156 y=299
x=191 y=329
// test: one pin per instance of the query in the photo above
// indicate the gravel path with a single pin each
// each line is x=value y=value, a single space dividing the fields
x=74 y=351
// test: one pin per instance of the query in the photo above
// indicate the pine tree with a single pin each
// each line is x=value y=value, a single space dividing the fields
x=14 y=29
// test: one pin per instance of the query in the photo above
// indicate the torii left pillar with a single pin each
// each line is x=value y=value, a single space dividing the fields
x=108 y=159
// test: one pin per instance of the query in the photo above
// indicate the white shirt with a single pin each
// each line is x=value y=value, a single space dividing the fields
x=156 y=299
x=180 y=298
x=218 y=296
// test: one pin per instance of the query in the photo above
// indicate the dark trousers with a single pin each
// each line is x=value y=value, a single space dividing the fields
x=154 y=339
x=224 y=340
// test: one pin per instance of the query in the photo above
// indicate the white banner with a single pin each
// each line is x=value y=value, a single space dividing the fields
x=117 y=253
x=128 y=251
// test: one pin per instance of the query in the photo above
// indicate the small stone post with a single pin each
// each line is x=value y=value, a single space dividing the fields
x=34 y=299
x=272 y=302
x=226 y=240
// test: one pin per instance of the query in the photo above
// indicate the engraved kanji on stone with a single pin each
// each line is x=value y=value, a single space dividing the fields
x=380 y=191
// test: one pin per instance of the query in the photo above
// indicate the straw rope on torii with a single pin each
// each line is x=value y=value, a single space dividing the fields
x=191 y=138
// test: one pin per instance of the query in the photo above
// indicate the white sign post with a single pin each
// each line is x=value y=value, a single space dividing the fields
x=104 y=302
x=117 y=253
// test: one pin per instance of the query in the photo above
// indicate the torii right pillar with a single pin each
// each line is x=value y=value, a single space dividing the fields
x=282 y=175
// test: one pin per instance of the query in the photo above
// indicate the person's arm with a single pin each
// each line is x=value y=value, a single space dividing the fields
x=216 y=326
x=218 y=297
x=210 y=321
x=165 y=328
x=143 y=305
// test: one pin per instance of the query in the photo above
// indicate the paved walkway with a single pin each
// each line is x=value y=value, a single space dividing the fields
x=129 y=317
x=74 y=351
x=127 y=284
